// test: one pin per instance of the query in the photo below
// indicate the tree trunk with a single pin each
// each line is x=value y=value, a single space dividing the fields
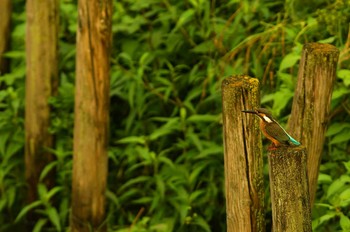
x=311 y=105
x=289 y=190
x=91 y=115
x=41 y=84
x=243 y=155
x=5 y=21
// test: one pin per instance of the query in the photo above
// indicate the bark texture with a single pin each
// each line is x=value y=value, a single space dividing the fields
x=91 y=115
x=243 y=155
x=5 y=24
x=41 y=84
x=311 y=105
x=289 y=190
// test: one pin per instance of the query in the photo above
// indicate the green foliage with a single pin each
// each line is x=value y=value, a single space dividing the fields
x=48 y=211
x=165 y=152
x=336 y=201
x=12 y=183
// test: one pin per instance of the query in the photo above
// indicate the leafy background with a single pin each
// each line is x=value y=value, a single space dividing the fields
x=165 y=154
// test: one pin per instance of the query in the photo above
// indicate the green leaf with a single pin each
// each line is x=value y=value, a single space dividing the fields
x=319 y=221
x=54 y=191
x=169 y=127
x=183 y=113
x=113 y=198
x=42 y=191
x=289 y=61
x=343 y=136
x=344 y=198
x=10 y=78
x=197 y=195
x=281 y=98
x=335 y=128
x=3 y=203
x=337 y=185
x=347 y=166
x=166 y=161
x=201 y=223
x=131 y=94
x=7 y=169
x=184 y=18
x=344 y=74
x=15 y=54
x=3 y=141
x=137 y=180
x=160 y=186
x=193 y=137
x=267 y=98
x=39 y=225
x=183 y=210
x=205 y=47
x=156 y=200
x=26 y=209
x=204 y=118
x=128 y=195
x=47 y=169
x=11 y=195
x=328 y=206
x=324 y=179
x=146 y=59
x=344 y=222
x=133 y=139
x=194 y=176
x=3 y=94
x=214 y=149
x=143 y=200
x=54 y=217
x=19 y=31
x=166 y=224
x=328 y=40
x=160 y=132
x=13 y=148
x=340 y=92
x=287 y=80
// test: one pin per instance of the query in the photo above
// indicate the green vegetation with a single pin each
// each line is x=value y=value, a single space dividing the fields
x=166 y=170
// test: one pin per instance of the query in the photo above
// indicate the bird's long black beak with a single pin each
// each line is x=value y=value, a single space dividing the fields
x=249 y=111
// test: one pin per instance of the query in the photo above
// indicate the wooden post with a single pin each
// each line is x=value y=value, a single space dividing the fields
x=41 y=84
x=91 y=120
x=289 y=189
x=311 y=105
x=243 y=155
x=5 y=19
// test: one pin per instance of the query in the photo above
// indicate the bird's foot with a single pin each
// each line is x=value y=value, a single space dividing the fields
x=272 y=147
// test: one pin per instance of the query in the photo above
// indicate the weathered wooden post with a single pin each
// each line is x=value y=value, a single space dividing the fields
x=243 y=155
x=311 y=105
x=41 y=84
x=5 y=21
x=289 y=189
x=90 y=160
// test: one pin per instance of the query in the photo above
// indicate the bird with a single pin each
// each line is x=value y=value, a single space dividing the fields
x=272 y=129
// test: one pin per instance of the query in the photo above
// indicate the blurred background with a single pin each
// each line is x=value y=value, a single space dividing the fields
x=166 y=168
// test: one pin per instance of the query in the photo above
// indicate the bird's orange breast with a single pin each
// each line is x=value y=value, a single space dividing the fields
x=272 y=139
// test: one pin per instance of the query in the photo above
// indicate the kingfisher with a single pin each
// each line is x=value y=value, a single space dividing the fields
x=272 y=129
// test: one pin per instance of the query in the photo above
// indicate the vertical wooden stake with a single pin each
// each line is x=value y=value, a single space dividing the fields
x=91 y=120
x=243 y=155
x=41 y=84
x=291 y=209
x=311 y=105
x=5 y=19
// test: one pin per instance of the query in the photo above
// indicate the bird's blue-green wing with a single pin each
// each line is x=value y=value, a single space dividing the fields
x=277 y=132
x=291 y=139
